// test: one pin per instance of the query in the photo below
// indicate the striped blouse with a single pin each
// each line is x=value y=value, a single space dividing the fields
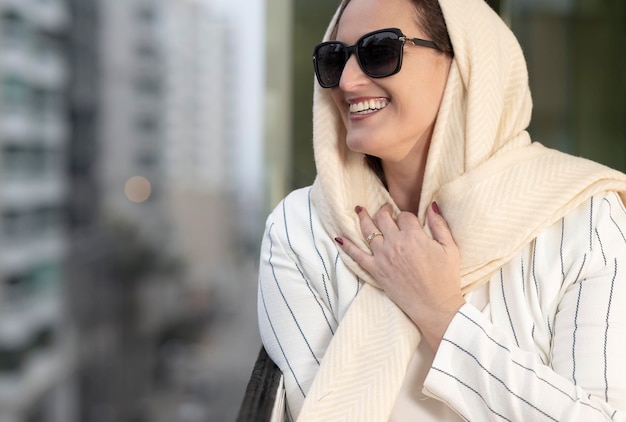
x=544 y=340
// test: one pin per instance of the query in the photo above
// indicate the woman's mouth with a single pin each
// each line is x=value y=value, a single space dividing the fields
x=368 y=106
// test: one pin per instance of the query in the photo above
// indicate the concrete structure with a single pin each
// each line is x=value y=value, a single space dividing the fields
x=198 y=131
x=121 y=126
x=131 y=86
x=36 y=347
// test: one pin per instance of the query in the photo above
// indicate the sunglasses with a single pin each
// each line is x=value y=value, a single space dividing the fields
x=378 y=53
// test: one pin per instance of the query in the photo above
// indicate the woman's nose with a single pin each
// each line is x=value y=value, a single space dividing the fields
x=352 y=74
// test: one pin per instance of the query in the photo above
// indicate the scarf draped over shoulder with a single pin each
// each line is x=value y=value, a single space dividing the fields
x=495 y=188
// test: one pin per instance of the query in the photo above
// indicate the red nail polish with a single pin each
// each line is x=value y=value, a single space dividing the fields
x=436 y=208
x=358 y=209
x=339 y=240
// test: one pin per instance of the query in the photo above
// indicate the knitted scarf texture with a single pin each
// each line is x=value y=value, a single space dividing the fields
x=495 y=188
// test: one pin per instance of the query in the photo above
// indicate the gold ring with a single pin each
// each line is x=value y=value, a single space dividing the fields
x=372 y=236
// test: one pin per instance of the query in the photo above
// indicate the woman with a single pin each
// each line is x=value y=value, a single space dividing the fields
x=434 y=218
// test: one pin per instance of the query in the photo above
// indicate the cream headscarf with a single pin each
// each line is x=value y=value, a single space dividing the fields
x=496 y=190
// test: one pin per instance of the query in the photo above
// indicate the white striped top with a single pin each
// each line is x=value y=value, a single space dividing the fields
x=544 y=340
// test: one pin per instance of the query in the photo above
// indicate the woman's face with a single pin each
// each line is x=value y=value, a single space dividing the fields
x=410 y=99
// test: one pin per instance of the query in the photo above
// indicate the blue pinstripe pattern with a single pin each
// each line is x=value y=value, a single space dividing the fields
x=295 y=320
x=523 y=275
x=466 y=385
x=308 y=284
x=606 y=334
x=313 y=237
x=580 y=289
x=494 y=341
x=573 y=399
x=506 y=306
x=499 y=380
x=591 y=225
x=302 y=261
x=549 y=326
x=518 y=364
x=503 y=347
x=330 y=303
x=561 y=248
x=615 y=222
x=279 y=343
x=601 y=246
x=534 y=266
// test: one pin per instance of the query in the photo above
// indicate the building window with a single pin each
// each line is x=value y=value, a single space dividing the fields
x=46 y=277
x=48 y=45
x=148 y=125
x=47 y=103
x=13 y=29
x=12 y=162
x=146 y=159
x=17 y=287
x=146 y=14
x=148 y=85
x=46 y=220
x=15 y=93
x=12 y=225
x=43 y=339
x=147 y=52
x=11 y=360
x=37 y=162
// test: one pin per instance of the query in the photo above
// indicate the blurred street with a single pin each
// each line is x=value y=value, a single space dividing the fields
x=210 y=376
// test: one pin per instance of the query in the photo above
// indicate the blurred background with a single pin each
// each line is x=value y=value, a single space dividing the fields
x=142 y=145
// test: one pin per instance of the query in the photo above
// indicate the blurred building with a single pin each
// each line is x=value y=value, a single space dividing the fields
x=36 y=350
x=130 y=151
x=198 y=127
x=130 y=157
x=149 y=158
x=124 y=292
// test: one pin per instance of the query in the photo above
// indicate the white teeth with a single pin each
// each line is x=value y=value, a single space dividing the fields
x=369 y=106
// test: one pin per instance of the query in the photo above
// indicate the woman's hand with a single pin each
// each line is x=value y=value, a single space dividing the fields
x=419 y=274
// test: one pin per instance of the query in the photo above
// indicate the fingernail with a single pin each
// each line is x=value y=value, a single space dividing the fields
x=358 y=209
x=436 y=208
x=339 y=240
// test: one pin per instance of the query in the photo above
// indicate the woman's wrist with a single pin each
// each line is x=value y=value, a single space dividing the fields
x=435 y=323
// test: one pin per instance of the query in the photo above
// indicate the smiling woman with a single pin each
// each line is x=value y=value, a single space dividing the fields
x=398 y=139
x=450 y=282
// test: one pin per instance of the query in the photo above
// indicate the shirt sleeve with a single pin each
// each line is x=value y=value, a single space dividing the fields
x=296 y=301
x=481 y=373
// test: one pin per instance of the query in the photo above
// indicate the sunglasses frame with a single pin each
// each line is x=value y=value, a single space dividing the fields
x=354 y=49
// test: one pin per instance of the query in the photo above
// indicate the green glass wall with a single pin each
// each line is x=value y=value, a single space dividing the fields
x=575 y=50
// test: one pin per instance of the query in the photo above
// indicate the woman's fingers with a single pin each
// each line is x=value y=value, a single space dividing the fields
x=418 y=272
x=438 y=226
x=385 y=221
x=359 y=256
x=370 y=231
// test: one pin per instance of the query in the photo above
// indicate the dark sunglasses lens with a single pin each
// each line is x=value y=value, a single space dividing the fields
x=380 y=54
x=330 y=58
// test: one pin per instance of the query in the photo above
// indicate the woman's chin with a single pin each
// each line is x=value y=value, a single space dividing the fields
x=361 y=145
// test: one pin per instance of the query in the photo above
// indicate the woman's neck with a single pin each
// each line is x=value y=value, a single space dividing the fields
x=405 y=187
x=405 y=178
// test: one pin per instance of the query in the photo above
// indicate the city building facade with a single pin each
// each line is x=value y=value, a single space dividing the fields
x=36 y=345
